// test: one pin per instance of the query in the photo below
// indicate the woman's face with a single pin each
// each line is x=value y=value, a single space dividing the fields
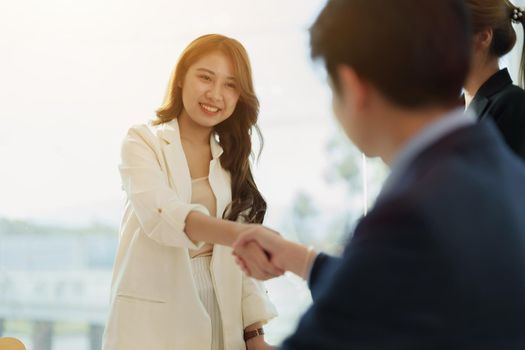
x=210 y=90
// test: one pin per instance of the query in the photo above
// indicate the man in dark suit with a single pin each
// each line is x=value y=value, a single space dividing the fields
x=439 y=261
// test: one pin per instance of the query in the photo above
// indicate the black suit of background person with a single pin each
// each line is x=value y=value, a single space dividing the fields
x=489 y=92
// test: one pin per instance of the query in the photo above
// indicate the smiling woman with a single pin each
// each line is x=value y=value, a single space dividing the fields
x=174 y=286
x=216 y=72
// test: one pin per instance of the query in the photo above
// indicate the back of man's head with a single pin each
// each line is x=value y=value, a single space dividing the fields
x=415 y=52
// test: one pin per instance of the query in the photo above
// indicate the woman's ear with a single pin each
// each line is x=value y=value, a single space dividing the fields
x=483 y=40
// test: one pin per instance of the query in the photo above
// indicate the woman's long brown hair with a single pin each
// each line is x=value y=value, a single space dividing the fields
x=234 y=133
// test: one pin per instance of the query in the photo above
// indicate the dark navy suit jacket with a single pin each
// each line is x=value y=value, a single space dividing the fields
x=438 y=263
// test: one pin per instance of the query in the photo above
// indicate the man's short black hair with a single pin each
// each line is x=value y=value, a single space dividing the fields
x=416 y=52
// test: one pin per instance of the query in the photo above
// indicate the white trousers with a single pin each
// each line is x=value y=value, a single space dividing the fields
x=203 y=281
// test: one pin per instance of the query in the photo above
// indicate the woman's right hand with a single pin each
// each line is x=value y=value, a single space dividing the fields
x=254 y=261
x=259 y=252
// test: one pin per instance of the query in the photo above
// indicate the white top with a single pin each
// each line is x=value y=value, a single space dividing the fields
x=201 y=193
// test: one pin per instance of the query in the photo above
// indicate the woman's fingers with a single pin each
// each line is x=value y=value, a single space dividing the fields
x=242 y=265
x=252 y=247
x=249 y=262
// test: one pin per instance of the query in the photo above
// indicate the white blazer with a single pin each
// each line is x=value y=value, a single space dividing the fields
x=154 y=301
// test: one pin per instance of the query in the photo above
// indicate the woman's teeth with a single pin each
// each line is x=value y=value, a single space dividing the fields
x=210 y=108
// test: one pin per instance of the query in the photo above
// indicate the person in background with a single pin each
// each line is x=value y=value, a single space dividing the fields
x=189 y=187
x=439 y=261
x=489 y=92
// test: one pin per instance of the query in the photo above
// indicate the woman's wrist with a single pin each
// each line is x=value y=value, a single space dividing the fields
x=258 y=340
x=253 y=326
x=234 y=230
x=256 y=334
x=200 y=227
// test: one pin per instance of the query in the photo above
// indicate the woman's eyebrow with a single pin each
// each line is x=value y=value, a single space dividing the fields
x=213 y=73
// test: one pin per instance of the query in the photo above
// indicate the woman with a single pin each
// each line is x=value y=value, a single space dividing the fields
x=489 y=91
x=173 y=286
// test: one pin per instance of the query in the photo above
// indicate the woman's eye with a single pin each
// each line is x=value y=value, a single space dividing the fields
x=231 y=85
x=205 y=77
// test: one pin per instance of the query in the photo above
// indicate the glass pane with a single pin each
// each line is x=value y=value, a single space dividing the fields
x=76 y=75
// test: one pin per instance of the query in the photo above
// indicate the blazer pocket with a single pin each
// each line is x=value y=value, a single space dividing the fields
x=138 y=298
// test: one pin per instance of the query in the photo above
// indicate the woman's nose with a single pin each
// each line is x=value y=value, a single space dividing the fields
x=215 y=93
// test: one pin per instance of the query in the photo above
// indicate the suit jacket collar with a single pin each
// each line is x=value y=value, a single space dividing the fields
x=480 y=137
x=170 y=132
x=495 y=83
x=492 y=86
x=449 y=122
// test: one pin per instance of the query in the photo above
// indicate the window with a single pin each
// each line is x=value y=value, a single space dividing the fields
x=75 y=76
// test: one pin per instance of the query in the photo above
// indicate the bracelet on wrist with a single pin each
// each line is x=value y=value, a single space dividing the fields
x=252 y=334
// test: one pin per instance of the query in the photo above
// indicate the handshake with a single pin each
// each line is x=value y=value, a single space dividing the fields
x=263 y=254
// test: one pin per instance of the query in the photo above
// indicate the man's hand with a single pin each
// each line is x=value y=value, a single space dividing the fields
x=271 y=256
x=257 y=263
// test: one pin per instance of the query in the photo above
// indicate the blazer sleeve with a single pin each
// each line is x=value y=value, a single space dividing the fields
x=256 y=305
x=160 y=211
x=388 y=276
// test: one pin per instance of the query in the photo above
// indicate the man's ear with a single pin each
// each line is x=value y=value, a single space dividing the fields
x=353 y=90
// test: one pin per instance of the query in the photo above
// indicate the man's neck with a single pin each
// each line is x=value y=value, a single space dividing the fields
x=402 y=126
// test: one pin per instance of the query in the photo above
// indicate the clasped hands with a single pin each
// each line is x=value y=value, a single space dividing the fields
x=263 y=254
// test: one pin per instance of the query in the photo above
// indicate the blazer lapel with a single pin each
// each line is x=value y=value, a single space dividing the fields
x=222 y=266
x=175 y=159
x=219 y=178
x=493 y=85
x=478 y=106
x=179 y=173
